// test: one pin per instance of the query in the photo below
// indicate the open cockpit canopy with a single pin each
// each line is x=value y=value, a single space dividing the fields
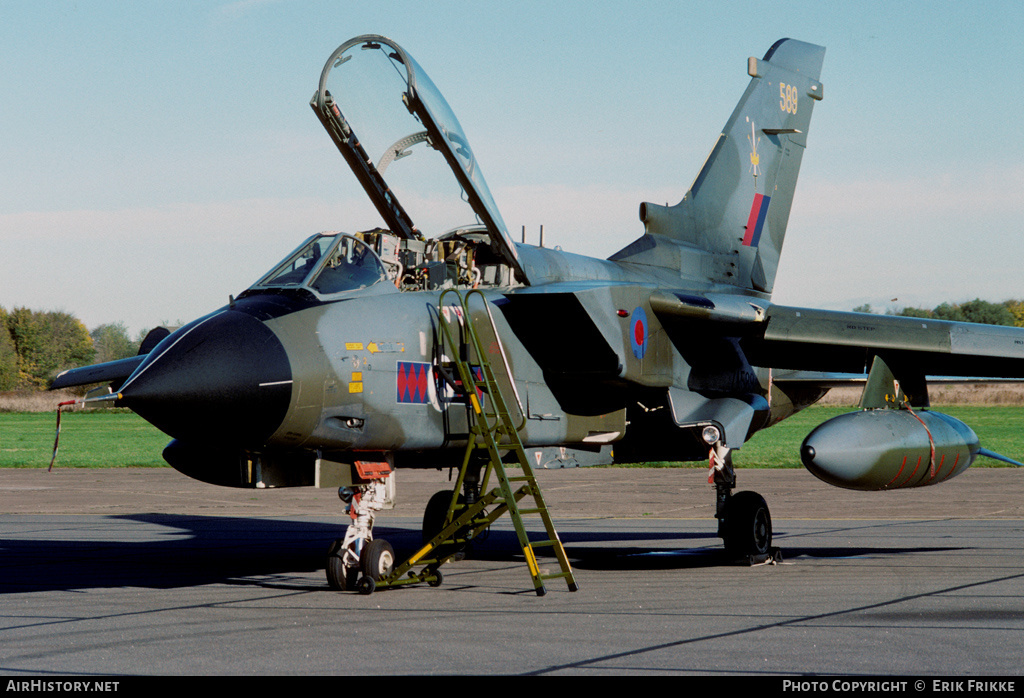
x=387 y=118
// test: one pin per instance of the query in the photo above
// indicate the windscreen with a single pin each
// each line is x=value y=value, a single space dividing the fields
x=328 y=264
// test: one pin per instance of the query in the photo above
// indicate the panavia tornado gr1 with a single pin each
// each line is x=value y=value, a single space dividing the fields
x=338 y=365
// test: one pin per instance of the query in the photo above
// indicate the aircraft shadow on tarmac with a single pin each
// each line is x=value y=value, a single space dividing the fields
x=197 y=550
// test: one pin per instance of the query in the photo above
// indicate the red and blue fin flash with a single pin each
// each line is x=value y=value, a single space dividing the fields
x=755 y=223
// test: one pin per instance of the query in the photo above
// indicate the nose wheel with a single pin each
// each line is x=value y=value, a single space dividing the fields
x=376 y=562
x=341 y=574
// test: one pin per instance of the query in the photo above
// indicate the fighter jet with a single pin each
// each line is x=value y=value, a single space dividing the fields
x=669 y=350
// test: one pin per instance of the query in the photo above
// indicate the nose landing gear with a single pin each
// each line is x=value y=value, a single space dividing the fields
x=358 y=561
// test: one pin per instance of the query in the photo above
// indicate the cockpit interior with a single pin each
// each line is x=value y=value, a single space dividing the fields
x=332 y=262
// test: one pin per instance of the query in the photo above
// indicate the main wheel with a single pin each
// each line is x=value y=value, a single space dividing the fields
x=339 y=577
x=436 y=511
x=748 y=524
x=377 y=559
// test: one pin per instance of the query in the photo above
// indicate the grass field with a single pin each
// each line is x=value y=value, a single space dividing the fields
x=109 y=438
x=88 y=439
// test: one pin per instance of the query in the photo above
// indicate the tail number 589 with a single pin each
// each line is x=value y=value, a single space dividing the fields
x=787 y=98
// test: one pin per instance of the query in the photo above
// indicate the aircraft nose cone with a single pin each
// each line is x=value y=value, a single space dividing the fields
x=222 y=379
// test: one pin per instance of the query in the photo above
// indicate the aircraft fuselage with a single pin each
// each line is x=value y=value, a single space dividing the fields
x=360 y=373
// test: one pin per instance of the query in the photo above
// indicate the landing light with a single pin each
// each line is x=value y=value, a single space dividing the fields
x=711 y=435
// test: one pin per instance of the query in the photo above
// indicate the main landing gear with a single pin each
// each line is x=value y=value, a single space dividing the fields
x=744 y=522
x=441 y=511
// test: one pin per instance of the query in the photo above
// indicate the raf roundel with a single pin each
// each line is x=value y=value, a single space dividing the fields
x=638 y=333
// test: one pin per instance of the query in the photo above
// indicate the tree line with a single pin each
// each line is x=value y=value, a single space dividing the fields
x=35 y=346
x=1009 y=313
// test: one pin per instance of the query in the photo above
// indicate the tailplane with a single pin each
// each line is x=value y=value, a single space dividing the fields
x=730 y=225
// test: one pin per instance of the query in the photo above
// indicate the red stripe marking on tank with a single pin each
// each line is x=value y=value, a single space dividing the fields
x=953 y=469
x=907 y=481
x=902 y=465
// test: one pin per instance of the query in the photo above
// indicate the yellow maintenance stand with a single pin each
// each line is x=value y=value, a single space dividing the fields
x=493 y=429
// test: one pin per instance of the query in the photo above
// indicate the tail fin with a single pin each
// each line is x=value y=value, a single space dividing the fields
x=730 y=225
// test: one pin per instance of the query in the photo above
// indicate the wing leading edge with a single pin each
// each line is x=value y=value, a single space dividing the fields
x=828 y=348
x=826 y=340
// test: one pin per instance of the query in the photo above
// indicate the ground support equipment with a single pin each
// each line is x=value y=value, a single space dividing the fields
x=493 y=432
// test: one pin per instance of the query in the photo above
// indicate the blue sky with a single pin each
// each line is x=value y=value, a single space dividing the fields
x=159 y=156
